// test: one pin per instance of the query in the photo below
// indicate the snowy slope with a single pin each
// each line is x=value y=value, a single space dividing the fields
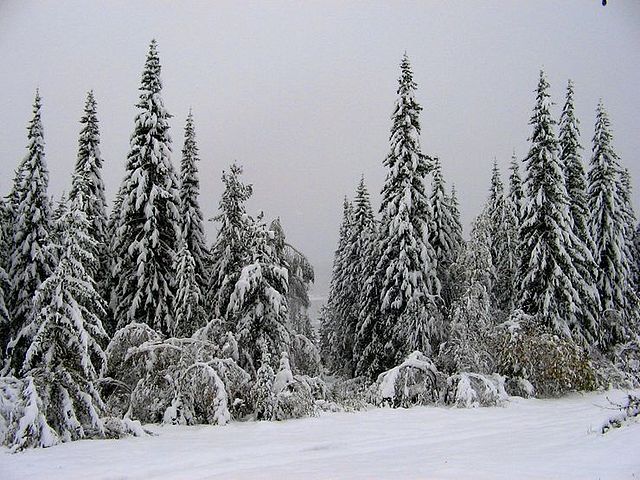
x=527 y=439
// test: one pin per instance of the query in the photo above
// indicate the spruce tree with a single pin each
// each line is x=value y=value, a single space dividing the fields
x=407 y=263
x=148 y=227
x=190 y=314
x=258 y=304
x=333 y=325
x=230 y=248
x=607 y=227
x=629 y=221
x=496 y=213
x=360 y=232
x=458 y=239
x=300 y=274
x=516 y=192
x=65 y=356
x=552 y=285
x=31 y=260
x=442 y=232
x=190 y=213
x=87 y=181
x=5 y=322
x=503 y=228
x=572 y=163
x=371 y=334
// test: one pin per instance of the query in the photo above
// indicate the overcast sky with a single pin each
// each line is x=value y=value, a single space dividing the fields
x=300 y=93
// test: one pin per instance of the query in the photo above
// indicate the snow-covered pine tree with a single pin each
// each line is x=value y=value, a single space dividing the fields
x=607 y=227
x=258 y=304
x=629 y=220
x=230 y=249
x=262 y=391
x=458 y=239
x=442 y=233
x=148 y=227
x=31 y=260
x=503 y=227
x=636 y=259
x=407 y=264
x=552 y=285
x=360 y=231
x=495 y=210
x=331 y=329
x=189 y=312
x=65 y=356
x=6 y=231
x=369 y=341
x=516 y=192
x=190 y=213
x=112 y=279
x=4 y=313
x=301 y=274
x=574 y=174
x=88 y=180
x=468 y=346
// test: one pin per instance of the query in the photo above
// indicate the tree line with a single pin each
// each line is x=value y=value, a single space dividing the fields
x=560 y=246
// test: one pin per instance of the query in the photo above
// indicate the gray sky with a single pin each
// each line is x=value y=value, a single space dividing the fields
x=300 y=93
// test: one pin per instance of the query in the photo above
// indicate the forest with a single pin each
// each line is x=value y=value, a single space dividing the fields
x=111 y=319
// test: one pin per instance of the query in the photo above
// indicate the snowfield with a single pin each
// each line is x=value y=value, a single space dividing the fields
x=527 y=439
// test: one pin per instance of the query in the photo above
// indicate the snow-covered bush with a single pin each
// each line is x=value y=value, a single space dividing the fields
x=150 y=398
x=470 y=390
x=204 y=395
x=416 y=381
x=176 y=380
x=122 y=366
x=27 y=422
x=551 y=362
x=293 y=395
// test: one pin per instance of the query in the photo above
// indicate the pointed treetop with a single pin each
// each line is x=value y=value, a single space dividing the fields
x=151 y=74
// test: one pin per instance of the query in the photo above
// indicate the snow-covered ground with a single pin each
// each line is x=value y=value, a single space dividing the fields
x=527 y=439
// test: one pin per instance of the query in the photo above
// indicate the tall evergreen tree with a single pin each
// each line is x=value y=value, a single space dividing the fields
x=516 y=192
x=332 y=325
x=190 y=313
x=607 y=226
x=407 y=263
x=496 y=212
x=458 y=239
x=359 y=233
x=5 y=322
x=442 y=232
x=551 y=284
x=31 y=260
x=503 y=230
x=148 y=228
x=87 y=181
x=573 y=169
x=629 y=222
x=300 y=274
x=258 y=303
x=190 y=213
x=230 y=248
x=371 y=335
x=65 y=356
